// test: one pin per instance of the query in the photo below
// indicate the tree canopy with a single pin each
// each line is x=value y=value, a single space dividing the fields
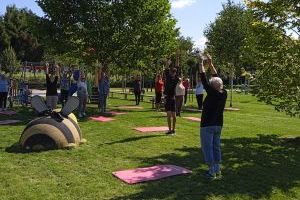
x=226 y=37
x=132 y=33
x=18 y=29
x=277 y=55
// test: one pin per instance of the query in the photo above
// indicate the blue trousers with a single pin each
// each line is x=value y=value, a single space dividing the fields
x=211 y=144
x=102 y=102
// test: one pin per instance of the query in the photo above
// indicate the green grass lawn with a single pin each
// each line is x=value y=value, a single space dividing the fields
x=258 y=161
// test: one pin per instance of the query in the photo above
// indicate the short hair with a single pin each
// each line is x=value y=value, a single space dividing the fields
x=216 y=80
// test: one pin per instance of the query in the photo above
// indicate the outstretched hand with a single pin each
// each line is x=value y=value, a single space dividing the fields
x=209 y=59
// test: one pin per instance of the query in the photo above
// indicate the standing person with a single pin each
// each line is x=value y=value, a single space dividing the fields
x=73 y=86
x=159 y=88
x=186 y=84
x=171 y=81
x=103 y=88
x=180 y=92
x=137 y=89
x=82 y=94
x=13 y=85
x=199 y=94
x=64 y=86
x=4 y=87
x=52 y=74
x=212 y=119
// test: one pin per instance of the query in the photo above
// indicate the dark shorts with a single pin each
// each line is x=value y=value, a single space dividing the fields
x=170 y=105
x=158 y=96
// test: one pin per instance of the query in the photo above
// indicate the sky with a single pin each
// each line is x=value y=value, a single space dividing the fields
x=192 y=15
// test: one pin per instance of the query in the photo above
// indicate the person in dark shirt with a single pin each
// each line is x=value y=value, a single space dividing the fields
x=212 y=119
x=171 y=80
x=137 y=89
x=52 y=74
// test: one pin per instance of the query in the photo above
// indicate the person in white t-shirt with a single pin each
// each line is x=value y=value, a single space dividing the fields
x=180 y=92
x=199 y=94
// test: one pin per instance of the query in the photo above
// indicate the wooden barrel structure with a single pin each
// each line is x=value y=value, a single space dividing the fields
x=46 y=133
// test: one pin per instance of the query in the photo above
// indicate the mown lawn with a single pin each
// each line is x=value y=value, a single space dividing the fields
x=259 y=161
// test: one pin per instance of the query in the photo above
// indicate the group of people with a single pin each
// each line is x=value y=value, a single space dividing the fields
x=181 y=92
x=70 y=82
x=10 y=87
x=170 y=86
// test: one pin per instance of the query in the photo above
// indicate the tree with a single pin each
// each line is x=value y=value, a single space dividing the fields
x=277 y=54
x=9 y=62
x=17 y=29
x=127 y=33
x=184 y=51
x=226 y=37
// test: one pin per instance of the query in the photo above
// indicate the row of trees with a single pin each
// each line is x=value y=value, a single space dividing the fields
x=127 y=35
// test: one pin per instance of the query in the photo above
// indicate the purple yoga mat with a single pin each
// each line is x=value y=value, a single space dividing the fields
x=139 y=175
x=8 y=112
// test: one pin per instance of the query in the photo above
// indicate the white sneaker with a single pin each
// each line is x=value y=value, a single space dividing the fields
x=80 y=115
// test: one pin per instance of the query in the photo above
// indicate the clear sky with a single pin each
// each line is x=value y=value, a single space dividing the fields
x=192 y=15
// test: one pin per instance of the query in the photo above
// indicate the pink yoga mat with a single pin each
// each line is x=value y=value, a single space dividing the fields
x=150 y=173
x=152 y=129
x=8 y=112
x=101 y=119
x=6 y=122
x=194 y=119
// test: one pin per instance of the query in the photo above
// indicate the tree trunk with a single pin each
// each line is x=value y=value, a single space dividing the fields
x=231 y=91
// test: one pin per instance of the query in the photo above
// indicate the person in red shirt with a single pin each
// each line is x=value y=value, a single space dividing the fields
x=159 y=88
x=186 y=84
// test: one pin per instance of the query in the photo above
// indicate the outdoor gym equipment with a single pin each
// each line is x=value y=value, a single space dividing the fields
x=53 y=130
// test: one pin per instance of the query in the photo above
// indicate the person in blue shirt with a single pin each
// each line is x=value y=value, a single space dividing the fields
x=103 y=88
x=4 y=87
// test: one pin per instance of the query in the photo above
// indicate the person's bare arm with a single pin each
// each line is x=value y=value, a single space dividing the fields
x=202 y=74
x=47 y=68
x=211 y=65
x=57 y=71
x=201 y=66
x=100 y=73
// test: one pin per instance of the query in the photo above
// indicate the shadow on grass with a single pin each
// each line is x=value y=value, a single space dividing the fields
x=15 y=148
x=133 y=139
x=24 y=114
x=252 y=168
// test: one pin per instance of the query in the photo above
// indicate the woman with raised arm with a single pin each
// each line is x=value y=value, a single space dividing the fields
x=212 y=119
x=52 y=74
x=104 y=86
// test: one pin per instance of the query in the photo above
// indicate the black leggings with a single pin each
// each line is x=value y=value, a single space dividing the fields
x=199 y=101
x=137 y=97
x=185 y=96
x=3 y=99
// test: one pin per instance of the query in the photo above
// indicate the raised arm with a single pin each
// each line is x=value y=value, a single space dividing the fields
x=202 y=74
x=57 y=71
x=211 y=66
